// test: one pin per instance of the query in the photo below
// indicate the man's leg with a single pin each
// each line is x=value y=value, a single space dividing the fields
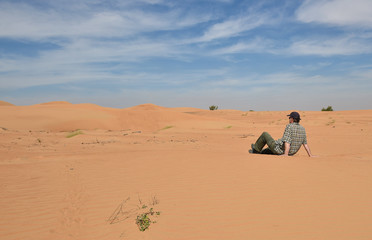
x=264 y=139
x=267 y=151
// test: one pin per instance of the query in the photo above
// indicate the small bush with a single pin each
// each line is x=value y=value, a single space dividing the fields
x=329 y=108
x=166 y=127
x=213 y=107
x=74 y=133
x=143 y=220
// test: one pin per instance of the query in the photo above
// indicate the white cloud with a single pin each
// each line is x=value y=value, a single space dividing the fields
x=320 y=46
x=25 y=21
x=331 y=46
x=234 y=27
x=315 y=66
x=337 y=12
x=73 y=63
x=152 y=1
x=252 y=46
x=364 y=75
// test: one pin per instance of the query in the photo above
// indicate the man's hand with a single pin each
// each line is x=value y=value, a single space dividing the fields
x=308 y=151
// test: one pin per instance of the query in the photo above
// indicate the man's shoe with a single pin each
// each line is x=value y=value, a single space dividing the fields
x=253 y=150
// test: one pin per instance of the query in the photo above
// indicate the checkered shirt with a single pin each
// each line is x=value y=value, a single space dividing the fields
x=295 y=135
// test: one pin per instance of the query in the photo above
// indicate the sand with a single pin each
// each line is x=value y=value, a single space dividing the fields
x=3 y=103
x=81 y=171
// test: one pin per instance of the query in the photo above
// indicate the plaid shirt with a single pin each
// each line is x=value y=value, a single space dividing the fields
x=295 y=135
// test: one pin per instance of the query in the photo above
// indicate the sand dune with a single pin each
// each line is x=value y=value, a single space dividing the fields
x=63 y=116
x=148 y=106
x=191 y=165
x=3 y=103
x=56 y=103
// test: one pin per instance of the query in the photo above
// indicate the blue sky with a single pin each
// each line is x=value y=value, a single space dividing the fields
x=246 y=55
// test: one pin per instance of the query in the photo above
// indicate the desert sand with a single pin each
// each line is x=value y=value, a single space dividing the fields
x=82 y=171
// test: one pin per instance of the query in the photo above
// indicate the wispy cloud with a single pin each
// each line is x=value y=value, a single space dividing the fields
x=355 y=13
x=234 y=26
x=25 y=21
x=256 y=45
x=319 y=46
x=104 y=38
x=344 y=45
x=81 y=60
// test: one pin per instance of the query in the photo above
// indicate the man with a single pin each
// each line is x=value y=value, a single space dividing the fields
x=294 y=136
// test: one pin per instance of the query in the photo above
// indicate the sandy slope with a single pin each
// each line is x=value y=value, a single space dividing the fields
x=3 y=103
x=192 y=165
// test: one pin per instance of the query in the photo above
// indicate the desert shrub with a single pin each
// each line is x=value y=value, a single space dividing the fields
x=166 y=127
x=213 y=107
x=74 y=133
x=329 y=108
x=143 y=220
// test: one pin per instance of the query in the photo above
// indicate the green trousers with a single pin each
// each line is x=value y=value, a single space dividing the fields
x=264 y=139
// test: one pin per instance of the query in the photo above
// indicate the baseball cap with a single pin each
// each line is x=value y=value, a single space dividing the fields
x=294 y=115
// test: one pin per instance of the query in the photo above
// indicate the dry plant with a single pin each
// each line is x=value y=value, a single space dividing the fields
x=120 y=214
x=143 y=220
x=331 y=122
x=74 y=133
x=154 y=200
x=166 y=127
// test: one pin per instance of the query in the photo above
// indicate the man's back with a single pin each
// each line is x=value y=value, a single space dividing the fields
x=295 y=135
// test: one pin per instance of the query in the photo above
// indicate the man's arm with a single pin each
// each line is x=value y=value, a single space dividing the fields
x=308 y=150
x=287 y=146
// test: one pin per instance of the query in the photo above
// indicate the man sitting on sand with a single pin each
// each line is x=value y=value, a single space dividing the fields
x=294 y=136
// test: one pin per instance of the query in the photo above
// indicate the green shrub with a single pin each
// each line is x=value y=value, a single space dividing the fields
x=143 y=220
x=329 y=108
x=166 y=127
x=74 y=133
x=213 y=107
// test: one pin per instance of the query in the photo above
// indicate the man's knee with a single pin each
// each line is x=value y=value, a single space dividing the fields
x=265 y=134
x=268 y=138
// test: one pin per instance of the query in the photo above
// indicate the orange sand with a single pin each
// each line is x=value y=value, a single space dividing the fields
x=2 y=103
x=192 y=165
